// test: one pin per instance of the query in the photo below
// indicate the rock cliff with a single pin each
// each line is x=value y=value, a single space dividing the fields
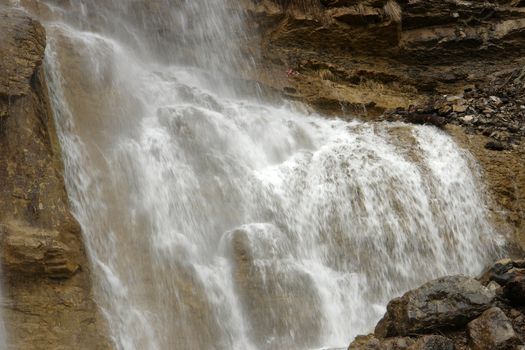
x=47 y=293
x=366 y=56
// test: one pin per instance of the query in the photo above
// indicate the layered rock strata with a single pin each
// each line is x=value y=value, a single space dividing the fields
x=364 y=58
x=47 y=301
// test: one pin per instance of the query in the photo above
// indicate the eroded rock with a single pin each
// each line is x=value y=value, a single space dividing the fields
x=35 y=252
x=47 y=300
x=22 y=44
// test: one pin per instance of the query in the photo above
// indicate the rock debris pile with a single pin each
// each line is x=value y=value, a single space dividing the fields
x=456 y=313
x=496 y=110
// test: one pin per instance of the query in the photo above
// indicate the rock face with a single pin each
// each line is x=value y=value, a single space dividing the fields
x=361 y=58
x=365 y=56
x=492 y=331
x=47 y=294
x=443 y=303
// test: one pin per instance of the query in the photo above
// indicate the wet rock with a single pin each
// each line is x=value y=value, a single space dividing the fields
x=493 y=286
x=447 y=302
x=397 y=343
x=433 y=342
x=425 y=119
x=510 y=275
x=514 y=289
x=273 y=292
x=496 y=146
x=370 y=342
x=365 y=342
x=492 y=331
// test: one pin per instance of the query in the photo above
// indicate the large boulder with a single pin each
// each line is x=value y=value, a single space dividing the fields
x=492 y=331
x=447 y=302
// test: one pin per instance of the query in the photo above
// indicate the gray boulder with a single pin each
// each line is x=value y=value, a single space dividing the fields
x=370 y=342
x=492 y=331
x=444 y=303
x=433 y=342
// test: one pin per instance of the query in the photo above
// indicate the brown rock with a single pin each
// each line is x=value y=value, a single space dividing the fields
x=510 y=275
x=370 y=342
x=22 y=44
x=447 y=302
x=47 y=299
x=397 y=343
x=514 y=290
x=433 y=342
x=36 y=252
x=274 y=297
x=496 y=146
x=492 y=331
x=365 y=342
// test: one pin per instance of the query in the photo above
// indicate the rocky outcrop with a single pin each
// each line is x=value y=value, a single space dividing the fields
x=365 y=56
x=454 y=313
x=47 y=294
x=447 y=302
x=362 y=58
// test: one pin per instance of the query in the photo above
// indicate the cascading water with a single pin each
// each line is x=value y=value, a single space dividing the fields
x=215 y=221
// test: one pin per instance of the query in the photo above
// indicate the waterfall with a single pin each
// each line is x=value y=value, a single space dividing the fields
x=216 y=220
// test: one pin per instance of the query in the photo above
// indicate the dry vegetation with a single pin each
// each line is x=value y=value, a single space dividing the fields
x=393 y=10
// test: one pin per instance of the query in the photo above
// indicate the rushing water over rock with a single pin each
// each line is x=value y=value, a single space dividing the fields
x=215 y=221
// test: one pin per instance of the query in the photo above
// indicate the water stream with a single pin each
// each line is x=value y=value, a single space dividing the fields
x=215 y=220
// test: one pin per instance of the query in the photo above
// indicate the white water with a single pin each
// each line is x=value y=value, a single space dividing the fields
x=215 y=221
